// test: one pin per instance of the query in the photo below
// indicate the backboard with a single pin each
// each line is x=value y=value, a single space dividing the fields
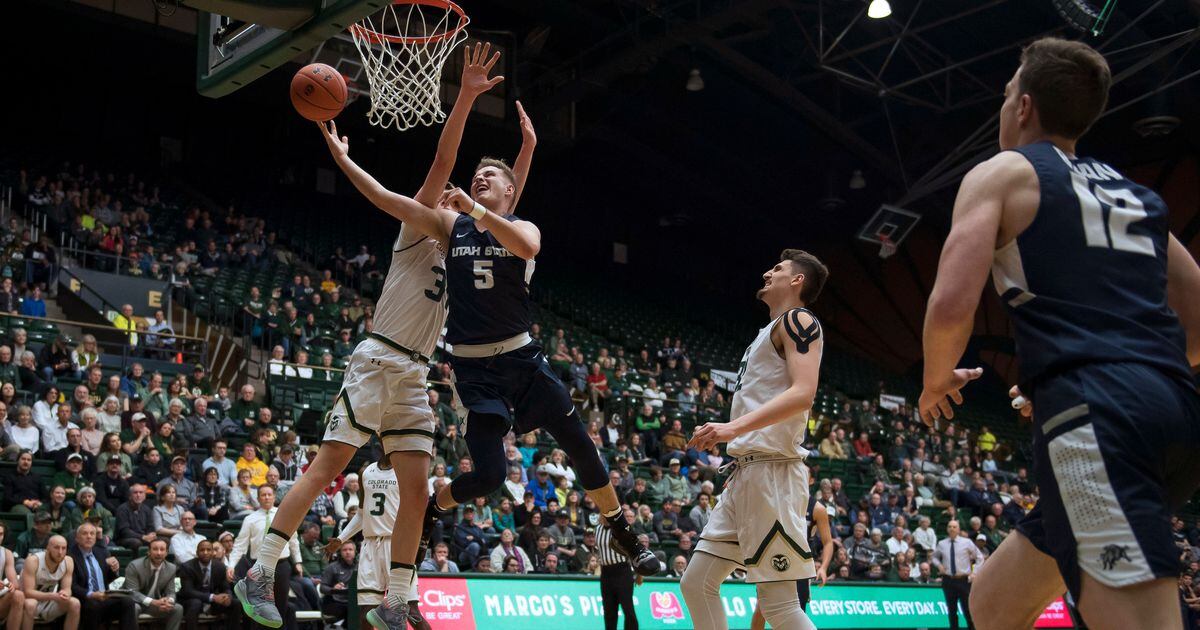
x=891 y=224
x=239 y=41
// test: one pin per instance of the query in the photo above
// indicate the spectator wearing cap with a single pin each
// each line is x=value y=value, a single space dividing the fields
x=88 y=509
x=112 y=489
x=541 y=486
x=563 y=535
x=201 y=384
x=22 y=489
x=468 y=537
x=35 y=540
x=585 y=550
x=626 y=483
x=676 y=484
x=187 y=490
x=71 y=476
x=525 y=511
x=453 y=447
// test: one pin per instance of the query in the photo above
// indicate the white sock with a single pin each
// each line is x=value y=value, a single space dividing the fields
x=400 y=581
x=269 y=552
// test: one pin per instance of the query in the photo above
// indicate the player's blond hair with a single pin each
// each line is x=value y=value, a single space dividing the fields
x=498 y=164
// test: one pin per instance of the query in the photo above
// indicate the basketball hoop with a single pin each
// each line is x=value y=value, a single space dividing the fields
x=886 y=247
x=404 y=48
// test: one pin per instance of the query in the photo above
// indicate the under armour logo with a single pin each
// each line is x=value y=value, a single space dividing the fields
x=1112 y=554
x=780 y=562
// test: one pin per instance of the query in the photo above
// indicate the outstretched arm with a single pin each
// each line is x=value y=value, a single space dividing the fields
x=429 y=221
x=797 y=337
x=962 y=273
x=475 y=81
x=525 y=157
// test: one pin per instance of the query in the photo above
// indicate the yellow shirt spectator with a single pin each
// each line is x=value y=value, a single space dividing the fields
x=986 y=441
x=250 y=461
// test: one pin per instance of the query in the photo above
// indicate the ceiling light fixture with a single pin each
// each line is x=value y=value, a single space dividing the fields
x=879 y=9
x=857 y=181
x=695 y=82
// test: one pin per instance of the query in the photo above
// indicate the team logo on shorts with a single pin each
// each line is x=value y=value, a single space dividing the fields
x=1113 y=554
x=331 y=421
x=780 y=562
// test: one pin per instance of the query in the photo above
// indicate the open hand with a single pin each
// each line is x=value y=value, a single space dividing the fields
x=338 y=146
x=935 y=402
x=475 y=79
x=528 y=135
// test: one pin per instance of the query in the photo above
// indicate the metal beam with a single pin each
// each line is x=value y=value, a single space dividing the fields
x=769 y=82
x=617 y=65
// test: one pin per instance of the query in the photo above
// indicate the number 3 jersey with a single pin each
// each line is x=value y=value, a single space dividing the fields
x=489 y=287
x=412 y=308
x=381 y=501
x=1086 y=282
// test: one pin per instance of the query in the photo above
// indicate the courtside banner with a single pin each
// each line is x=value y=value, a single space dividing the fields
x=572 y=603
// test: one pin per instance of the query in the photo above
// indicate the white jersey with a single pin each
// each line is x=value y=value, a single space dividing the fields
x=44 y=580
x=412 y=308
x=381 y=501
x=763 y=376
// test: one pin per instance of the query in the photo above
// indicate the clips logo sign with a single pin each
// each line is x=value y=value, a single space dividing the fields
x=665 y=606
x=446 y=603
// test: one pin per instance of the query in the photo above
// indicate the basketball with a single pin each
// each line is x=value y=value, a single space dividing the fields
x=318 y=92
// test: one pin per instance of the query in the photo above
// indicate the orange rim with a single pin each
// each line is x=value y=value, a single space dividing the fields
x=379 y=38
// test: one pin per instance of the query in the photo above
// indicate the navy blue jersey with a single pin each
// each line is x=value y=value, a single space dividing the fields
x=1086 y=282
x=489 y=287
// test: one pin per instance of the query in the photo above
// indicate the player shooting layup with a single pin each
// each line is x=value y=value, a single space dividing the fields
x=1107 y=316
x=760 y=522
x=384 y=388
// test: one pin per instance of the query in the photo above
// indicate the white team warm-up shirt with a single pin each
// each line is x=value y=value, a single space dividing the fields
x=763 y=377
x=376 y=517
x=412 y=308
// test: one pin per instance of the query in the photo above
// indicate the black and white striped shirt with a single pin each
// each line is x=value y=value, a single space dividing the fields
x=604 y=550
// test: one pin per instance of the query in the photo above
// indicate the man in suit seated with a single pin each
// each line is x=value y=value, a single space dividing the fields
x=94 y=570
x=152 y=580
x=204 y=588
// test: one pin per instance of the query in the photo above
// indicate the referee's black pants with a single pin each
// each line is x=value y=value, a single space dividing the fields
x=957 y=589
x=616 y=589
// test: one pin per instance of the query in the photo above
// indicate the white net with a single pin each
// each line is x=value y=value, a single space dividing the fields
x=404 y=48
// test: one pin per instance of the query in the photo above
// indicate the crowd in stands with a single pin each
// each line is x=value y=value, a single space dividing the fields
x=169 y=467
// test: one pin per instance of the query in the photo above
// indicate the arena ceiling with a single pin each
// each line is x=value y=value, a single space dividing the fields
x=704 y=187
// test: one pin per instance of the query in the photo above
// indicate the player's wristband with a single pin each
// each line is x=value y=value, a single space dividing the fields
x=478 y=212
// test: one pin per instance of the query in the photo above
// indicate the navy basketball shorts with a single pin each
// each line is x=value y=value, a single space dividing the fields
x=519 y=382
x=1116 y=451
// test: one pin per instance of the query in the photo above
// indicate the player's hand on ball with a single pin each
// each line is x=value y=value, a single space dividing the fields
x=476 y=67
x=711 y=434
x=1020 y=402
x=337 y=146
x=332 y=546
x=936 y=402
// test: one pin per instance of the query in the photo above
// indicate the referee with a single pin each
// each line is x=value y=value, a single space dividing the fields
x=616 y=582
